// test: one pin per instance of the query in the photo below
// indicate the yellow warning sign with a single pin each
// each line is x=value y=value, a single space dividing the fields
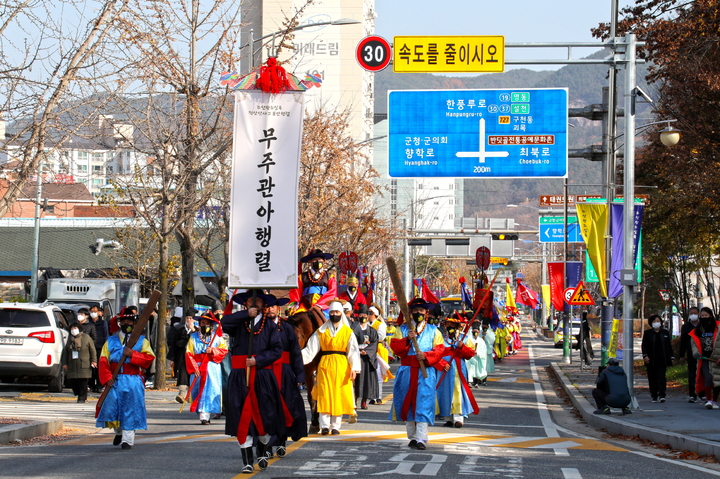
x=581 y=297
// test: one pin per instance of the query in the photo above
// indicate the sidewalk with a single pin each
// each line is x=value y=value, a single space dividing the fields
x=677 y=423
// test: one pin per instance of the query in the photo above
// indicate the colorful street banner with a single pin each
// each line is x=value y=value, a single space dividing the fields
x=614 y=336
x=545 y=288
x=617 y=232
x=590 y=274
x=267 y=137
x=556 y=274
x=593 y=219
x=510 y=305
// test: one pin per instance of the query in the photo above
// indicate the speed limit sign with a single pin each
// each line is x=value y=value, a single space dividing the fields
x=373 y=53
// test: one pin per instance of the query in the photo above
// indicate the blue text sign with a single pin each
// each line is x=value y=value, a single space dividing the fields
x=510 y=133
x=552 y=229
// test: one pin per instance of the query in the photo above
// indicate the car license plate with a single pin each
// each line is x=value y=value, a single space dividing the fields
x=9 y=340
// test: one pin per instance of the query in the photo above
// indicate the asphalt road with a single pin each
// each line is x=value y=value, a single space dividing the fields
x=523 y=430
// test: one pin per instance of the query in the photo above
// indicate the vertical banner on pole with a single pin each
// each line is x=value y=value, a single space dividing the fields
x=617 y=232
x=593 y=219
x=267 y=139
x=556 y=274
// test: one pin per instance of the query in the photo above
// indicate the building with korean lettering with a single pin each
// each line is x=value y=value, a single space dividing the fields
x=327 y=51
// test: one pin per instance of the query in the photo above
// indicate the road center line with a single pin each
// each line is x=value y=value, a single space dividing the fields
x=571 y=473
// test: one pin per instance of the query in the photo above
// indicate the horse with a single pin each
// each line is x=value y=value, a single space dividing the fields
x=305 y=324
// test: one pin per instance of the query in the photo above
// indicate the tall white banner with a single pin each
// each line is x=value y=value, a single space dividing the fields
x=267 y=139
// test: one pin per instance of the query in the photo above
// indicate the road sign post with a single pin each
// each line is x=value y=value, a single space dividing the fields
x=373 y=53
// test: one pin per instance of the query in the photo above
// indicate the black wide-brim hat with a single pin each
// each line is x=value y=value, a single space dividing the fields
x=275 y=301
x=316 y=253
x=240 y=298
x=419 y=303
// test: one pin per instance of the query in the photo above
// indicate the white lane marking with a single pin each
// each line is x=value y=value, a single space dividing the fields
x=676 y=462
x=548 y=424
x=570 y=473
x=362 y=420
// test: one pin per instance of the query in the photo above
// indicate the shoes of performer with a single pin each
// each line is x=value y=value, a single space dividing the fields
x=248 y=469
x=448 y=424
x=247 y=458
x=81 y=400
x=420 y=446
x=372 y=401
x=325 y=431
x=335 y=432
x=378 y=401
x=179 y=399
x=126 y=446
x=217 y=416
x=117 y=440
x=363 y=405
x=352 y=419
x=413 y=444
x=281 y=451
x=458 y=424
x=205 y=422
x=262 y=462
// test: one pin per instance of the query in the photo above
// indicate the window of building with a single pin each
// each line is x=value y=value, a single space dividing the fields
x=97 y=168
x=82 y=168
x=109 y=169
x=98 y=156
x=50 y=210
x=451 y=216
x=97 y=182
x=436 y=188
x=82 y=155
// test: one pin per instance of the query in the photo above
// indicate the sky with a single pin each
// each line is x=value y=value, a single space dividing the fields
x=563 y=21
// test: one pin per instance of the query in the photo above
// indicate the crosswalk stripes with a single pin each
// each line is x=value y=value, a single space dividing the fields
x=489 y=440
x=78 y=415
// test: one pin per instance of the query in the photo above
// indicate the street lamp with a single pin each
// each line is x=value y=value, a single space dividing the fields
x=251 y=41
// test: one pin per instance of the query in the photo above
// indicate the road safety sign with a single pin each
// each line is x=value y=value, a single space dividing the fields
x=581 y=296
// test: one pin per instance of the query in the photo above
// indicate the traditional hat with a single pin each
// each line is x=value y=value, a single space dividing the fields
x=456 y=318
x=316 y=253
x=362 y=308
x=419 y=303
x=275 y=301
x=126 y=313
x=209 y=316
x=240 y=298
x=374 y=310
x=352 y=280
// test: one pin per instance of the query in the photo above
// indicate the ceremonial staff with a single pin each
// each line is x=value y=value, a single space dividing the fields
x=130 y=343
x=402 y=302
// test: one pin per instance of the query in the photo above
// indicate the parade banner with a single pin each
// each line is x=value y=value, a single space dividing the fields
x=546 y=295
x=617 y=232
x=510 y=299
x=267 y=139
x=593 y=220
x=556 y=273
x=526 y=296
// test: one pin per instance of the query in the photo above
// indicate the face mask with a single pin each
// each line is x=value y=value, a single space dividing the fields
x=352 y=289
x=81 y=317
x=363 y=319
x=93 y=315
x=418 y=317
x=126 y=328
x=656 y=325
x=451 y=331
x=693 y=317
x=74 y=331
x=206 y=329
x=317 y=265
x=335 y=318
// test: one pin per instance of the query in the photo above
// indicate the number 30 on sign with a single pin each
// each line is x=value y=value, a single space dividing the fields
x=373 y=53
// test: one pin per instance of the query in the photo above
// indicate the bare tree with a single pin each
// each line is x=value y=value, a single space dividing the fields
x=43 y=77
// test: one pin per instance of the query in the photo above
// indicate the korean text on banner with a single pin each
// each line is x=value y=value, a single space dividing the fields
x=593 y=220
x=617 y=232
x=267 y=139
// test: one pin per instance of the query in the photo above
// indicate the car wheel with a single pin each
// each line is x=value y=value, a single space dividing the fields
x=558 y=345
x=57 y=383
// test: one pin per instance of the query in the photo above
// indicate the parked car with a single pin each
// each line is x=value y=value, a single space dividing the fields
x=559 y=335
x=32 y=338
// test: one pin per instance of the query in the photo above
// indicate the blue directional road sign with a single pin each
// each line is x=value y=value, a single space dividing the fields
x=478 y=133
x=552 y=229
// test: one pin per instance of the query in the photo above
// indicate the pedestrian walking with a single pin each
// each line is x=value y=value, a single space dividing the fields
x=339 y=365
x=685 y=352
x=657 y=355
x=79 y=358
x=612 y=389
x=366 y=383
x=101 y=334
x=707 y=353
x=205 y=351
x=254 y=413
x=124 y=406
x=414 y=396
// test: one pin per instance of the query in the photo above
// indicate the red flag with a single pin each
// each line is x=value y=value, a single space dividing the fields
x=428 y=295
x=556 y=271
x=296 y=294
x=526 y=296
x=229 y=306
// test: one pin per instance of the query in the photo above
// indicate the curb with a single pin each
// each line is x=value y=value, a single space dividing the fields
x=13 y=432
x=618 y=426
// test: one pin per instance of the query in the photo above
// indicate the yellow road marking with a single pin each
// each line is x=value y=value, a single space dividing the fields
x=292 y=447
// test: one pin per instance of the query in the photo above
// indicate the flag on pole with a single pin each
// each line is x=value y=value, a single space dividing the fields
x=526 y=296
x=510 y=305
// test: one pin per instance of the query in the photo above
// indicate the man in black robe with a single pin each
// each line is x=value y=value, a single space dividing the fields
x=366 y=384
x=254 y=412
x=289 y=372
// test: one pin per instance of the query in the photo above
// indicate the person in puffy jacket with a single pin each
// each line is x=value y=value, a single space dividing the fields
x=612 y=389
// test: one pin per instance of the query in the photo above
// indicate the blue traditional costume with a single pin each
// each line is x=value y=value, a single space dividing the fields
x=414 y=396
x=203 y=356
x=124 y=406
x=254 y=412
x=455 y=398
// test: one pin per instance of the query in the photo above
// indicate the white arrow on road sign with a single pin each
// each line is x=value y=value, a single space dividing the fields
x=481 y=154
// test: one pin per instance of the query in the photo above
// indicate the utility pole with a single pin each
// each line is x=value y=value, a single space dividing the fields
x=36 y=241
